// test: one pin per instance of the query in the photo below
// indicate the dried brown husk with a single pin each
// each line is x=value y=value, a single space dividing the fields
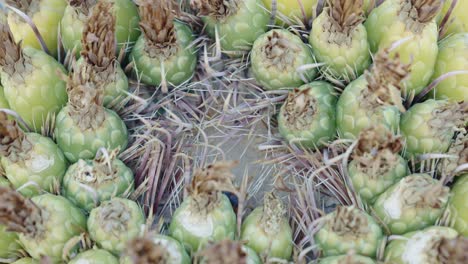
x=29 y=7
x=14 y=144
x=418 y=13
x=82 y=6
x=349 y=220
x=208 y=184
x=299 y=109
x=343 y=17
x=12 y=60
x=384 y=82
x=220 y=10
x=224 y=252
x=452 y=116
x=143 y=250
x=377 y=151
x=99 y=45
x=273 y=213
x=114 y=216
x=85 y=99
x=279 y=51
x=100 y=172
x=452 y=251
x=157 y=25
x=422 y=192
x=20 y=215
x=459 y=149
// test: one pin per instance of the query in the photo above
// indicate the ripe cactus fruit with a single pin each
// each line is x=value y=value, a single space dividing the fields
x=45 y=223
x=292 y=11
x=94 y=256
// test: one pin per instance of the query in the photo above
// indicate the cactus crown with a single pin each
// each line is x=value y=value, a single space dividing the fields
x=273 y=213
x=208 y=183
x=217 y=9
x=452 y=251
x=377 y=150
x=83 y=6
x=384 y=82
x=344 y=16
x=98 y=41
x=299 y=109
x=418 y=13
x=114 y=216
x=13 y=142
x=226 y=251
x=144 y=251
x=85 y=100
x=348 y=220
x=279 y=51
x=98 y=172
x=19 y=214
x=422 y=192
x=12 y=59
x=157 y=25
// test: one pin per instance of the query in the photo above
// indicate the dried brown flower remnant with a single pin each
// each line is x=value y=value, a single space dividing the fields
x=84 y=6
x=449 y=115
x=224 y=252
x=345 y=15
x=208 y=183
x=217 y=9
x=13 y=143
x=453 y=251
x=11 y=55
x=19 y=214
x=144 y=251
x=377 y=150
x=98 y=41
x=384 y=81
x=157 y=25
x=348 y=220
x=273 y=213
x=417 y=13
x=279 y=51
x=299 y=109
x=422 y=192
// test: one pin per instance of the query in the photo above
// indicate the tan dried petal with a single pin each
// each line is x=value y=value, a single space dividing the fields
x=145 y=251
x=29 y=7
x=453 y=251
x=417 y=13
x=279 y=51
x=345 y=15
x=299 y=109
x=349 y=220
x=19 y=214
x=217 y=9
x=208 y=183
x=273 y=213
x=13 y=143
x=83 y=6
x=384 y=82
x=421 y=192
x=114 y=216
x=157 y=25
x=11 y=55
x=224 y=252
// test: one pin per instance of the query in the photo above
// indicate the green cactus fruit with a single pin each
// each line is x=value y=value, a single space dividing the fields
x=45 y=223
x=267 y=231
x=3 y=101
x=349 y=229
x=237 y=23
x=46 y=16
x=339 y=40
x=453 y=56
x=99 y=54
x=411 y=24
x=31 y=162
x=77 y=13
x=433 y=245
x=415 y=202
x=376 y=164
x=94 y=256
x=457 y=21
x=458 y=205
x=87 y=183
x=32 y=81
x=84 y=125
x=164 y=53
x=347 y=259
x=9 y=246
x=429 y=127
x=155 y=249
x=291 y=12
x=206 y=214
x=307 y=117
x=372 y=99
x=114 y=223
x=26 y=261
x=276 y=58
x=228 y=251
